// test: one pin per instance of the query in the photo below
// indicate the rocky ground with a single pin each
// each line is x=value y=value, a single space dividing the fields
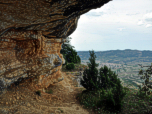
x=22 y=99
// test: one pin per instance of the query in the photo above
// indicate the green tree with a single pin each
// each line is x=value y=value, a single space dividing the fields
x=72 y=56
x=69 y=54
x=90 y=75
x=65 y=46
x=115 y=91
x=106 y=80
x=147 y=86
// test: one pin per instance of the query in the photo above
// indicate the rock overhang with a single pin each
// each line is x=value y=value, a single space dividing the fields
x=31 y=35
x=55 y=18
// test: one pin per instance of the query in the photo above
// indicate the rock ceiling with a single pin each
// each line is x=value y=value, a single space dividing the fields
x=56 y=18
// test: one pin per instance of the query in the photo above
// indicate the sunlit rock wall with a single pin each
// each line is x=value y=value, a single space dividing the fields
x=31 y=35
x=29 y=54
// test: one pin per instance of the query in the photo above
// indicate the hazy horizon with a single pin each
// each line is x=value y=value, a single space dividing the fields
x=111 y=50
x=119 y=24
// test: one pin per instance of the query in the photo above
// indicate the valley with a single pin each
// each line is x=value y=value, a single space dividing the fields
x=127 y=68
x=126 y=73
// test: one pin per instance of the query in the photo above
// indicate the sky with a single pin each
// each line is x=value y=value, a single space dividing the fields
x=119 y=24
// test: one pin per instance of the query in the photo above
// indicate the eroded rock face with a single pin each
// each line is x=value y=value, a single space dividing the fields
x=32 y=33
x=26 y=57
x=55 y=18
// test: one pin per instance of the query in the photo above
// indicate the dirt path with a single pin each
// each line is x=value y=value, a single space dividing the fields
x=23 y=100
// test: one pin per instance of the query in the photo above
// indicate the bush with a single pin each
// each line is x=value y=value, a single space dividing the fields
x=112 y=100
x=107 y=81
x=147 y=85
x=70 y=66
x=38 y=93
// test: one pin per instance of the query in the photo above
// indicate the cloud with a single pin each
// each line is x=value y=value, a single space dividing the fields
x=94 y=14
x=140 y=23
x=148 y=17
x=120 y=29
x=130 y=14
x=148 y=25
x=100 y=11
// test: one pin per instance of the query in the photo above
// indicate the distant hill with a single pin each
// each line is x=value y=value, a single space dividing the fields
x=115 y=54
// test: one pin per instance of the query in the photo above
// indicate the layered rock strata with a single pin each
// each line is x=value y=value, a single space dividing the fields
x=28 y=54
x=31 y=35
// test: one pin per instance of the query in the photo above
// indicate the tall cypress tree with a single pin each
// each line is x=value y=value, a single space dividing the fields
x=106 y=79
x=90 y=75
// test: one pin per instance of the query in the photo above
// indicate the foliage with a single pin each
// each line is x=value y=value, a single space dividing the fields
x=72 y=56
x=78 y=59
x=106 y=81
x=38 y=93
x=64 y=51
x=69 y=54
x=115 y=91
x=113 y=98
x=70 y=66
x=90 y=75
x=146 y=85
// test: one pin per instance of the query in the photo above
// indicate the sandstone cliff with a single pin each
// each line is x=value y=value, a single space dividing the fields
x=31 y=35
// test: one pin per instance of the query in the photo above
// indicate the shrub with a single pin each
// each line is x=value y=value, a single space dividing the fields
x=115 y=91
x=107 y=81
x=112 y=100
x=38 y=93
x=146 y=85
x=70 y=66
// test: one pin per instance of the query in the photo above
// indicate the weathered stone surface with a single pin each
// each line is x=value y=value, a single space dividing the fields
x=31 y=35
x=26 y=58
x=55 y=18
